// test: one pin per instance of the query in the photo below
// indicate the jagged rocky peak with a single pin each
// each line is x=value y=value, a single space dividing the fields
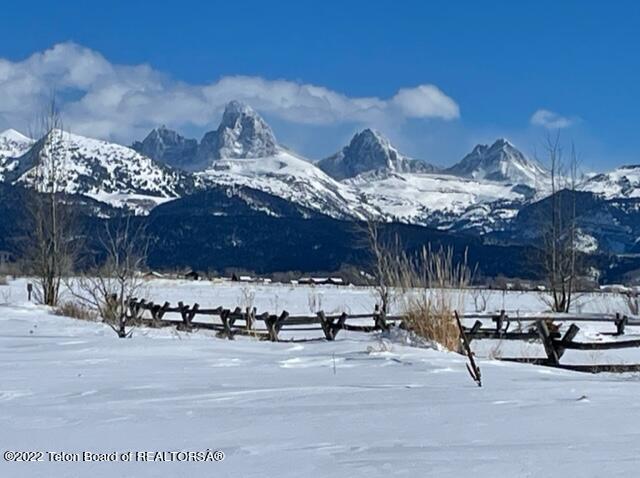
x=169 y=147
x=368 y=151
x=242 y=133
x=501 y=161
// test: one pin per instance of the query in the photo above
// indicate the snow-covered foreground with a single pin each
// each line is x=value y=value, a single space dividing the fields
x=359 y=406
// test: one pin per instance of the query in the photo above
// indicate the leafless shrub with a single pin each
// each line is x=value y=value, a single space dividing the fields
x=385 y=265
x=5 y=296
x=480 y=297
x=247 y=297
x=108 y=288
x=314 y=300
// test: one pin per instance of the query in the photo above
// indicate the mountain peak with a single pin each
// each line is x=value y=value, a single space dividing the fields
x=242 y=133
x=107 y=172
x=13 y=144
x=169 y=147
x=369 y=150
x=501 y=161
x=15 y=136
x=235 y=108
x=501 y=143
x=371 y=137
x=372 y=133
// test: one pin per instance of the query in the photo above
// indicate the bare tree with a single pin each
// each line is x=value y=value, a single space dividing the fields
x=560 y=246
x=51 y=248
x=386 y=270
x=109 y=287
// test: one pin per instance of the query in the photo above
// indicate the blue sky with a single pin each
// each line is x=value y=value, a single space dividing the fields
x=488 y=66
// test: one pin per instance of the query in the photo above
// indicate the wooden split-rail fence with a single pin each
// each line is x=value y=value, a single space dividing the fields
x=543 y=328
x=244 y=321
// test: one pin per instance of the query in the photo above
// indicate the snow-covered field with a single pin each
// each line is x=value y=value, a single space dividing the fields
x=362 y=406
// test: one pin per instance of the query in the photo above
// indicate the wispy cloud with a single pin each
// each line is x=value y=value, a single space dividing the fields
x=550 y=120
x=122 y=102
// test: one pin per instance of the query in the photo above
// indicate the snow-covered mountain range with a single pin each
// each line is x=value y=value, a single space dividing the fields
x=104 y=171
x=367 y=178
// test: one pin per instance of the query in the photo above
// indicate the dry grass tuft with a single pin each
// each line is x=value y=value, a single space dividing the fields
x=76 y=311
x=433 y=320
x=437 y=285
x=428 y=288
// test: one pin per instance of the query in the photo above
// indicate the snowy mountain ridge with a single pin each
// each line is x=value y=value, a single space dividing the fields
x=12 y=145
x=500 y=162
x=370 y=151
x=168 y=147
x=622 y=182
x=104 y=171
x=368 y=178
x=293 y=178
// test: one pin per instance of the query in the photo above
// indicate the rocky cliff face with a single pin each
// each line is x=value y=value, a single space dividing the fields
x=370 y=151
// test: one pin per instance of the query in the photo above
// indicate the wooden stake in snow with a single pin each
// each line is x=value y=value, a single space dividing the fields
x=472 y=367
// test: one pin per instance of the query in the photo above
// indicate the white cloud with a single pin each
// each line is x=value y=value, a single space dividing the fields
x=122 y=102
x=550 y=120
x=425 y=101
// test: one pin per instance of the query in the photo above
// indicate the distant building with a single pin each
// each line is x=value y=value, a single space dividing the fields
x=192 y=275
x=321 y=281
x=152 y=275
x=616 y=288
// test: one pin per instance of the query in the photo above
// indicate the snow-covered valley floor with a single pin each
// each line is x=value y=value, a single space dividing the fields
x=356 y=407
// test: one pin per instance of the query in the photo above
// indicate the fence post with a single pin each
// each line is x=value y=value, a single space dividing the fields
x=249 y=318
x=621 y=322
x=192 y=313
x=280 y=321
x=133 y=309
x=473 y=330
x=226 y=332
x=547 y=341
x=340 y=325
x=184 y=313
x=326 y=328
x=499 y=320
x=568 y=337
x=273 y=326
x=379 y=320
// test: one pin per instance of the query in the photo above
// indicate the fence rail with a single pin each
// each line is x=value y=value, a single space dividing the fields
x=537 y=327
x=243 y=321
